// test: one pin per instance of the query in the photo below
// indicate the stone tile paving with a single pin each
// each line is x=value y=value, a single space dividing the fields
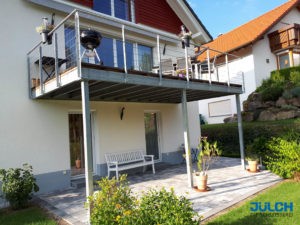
x=228 y=182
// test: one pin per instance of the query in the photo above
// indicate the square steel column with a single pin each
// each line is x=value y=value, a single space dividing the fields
x=186 y=134
x=240 y=128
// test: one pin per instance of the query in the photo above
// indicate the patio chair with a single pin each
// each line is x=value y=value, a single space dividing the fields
x=181 y=66
x=167 y=67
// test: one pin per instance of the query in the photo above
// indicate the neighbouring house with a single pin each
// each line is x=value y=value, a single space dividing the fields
x=266 y=43
x=65 y=102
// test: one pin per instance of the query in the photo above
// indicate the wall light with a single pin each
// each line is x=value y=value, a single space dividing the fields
x=122 y=113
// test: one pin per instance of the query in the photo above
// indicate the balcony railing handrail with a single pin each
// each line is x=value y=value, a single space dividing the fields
x=214 y=50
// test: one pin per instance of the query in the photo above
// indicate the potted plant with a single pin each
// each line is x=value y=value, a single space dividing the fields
x=78 y=163
x=44 y=30
x=208 y=153
x=251 y=157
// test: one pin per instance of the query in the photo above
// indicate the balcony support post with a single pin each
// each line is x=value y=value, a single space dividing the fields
x=240 y=129
x=87 y=137
x=186 y=135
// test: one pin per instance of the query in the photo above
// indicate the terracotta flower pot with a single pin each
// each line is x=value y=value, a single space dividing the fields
x=78 y=163
x=201 y=182
x=252 y=166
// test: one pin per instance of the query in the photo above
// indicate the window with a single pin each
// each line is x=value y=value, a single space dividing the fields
x=296 y=57
x=145 y=58
x=220 y=108
x=284 y=61
x=103 y=6
x=105 y=52
x=129 y=55
x=110 y=51
x=117 y=8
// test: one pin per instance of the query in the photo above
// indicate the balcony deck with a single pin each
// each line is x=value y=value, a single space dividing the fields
x=113 y=84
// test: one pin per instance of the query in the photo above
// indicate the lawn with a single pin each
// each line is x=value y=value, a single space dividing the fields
x=29 y=216
x=287 y=191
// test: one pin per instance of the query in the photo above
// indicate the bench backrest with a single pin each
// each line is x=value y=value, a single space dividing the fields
x=124 y=157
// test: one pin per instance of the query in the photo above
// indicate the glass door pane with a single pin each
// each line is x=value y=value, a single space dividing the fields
x=151 y=133
x=76 y=144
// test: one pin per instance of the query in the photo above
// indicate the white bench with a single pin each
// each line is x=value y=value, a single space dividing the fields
x=127 y=160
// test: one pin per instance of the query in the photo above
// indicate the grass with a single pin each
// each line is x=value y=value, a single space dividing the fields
x=288 y=191
x=29 y=216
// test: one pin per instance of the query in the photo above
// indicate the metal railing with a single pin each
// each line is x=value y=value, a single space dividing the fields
x=158 y=55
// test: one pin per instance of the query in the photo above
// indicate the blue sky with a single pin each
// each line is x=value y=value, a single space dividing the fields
x=221 y=16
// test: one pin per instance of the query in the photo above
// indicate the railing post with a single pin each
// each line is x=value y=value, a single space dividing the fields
x=243 y=80
x=227 y=69
x=56 y=60
x=186 y=63
x=197 y=71
x=159 y=58
x=77 y=42
x=208 y=64
x=124 y=49
x=41 y=69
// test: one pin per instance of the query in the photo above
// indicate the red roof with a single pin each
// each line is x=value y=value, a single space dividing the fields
x=252 y=30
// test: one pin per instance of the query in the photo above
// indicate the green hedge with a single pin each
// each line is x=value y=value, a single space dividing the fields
x=286 y=72
x=228 y=137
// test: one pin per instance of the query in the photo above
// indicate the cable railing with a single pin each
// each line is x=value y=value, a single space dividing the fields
x=124 y=49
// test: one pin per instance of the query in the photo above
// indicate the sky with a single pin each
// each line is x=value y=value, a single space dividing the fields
x=221 y=16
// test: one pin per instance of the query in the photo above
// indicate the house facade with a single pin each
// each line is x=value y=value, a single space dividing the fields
x=61 y=100
x=264 y=44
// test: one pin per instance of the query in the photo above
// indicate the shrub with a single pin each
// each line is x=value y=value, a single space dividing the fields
x=295 y=92
x=163 y=207
x=284 y=155
x=113 y=204
x=272 y=93
x=295 y=78
x=18 y=185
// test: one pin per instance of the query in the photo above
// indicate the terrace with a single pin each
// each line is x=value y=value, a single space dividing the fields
x=129 y=65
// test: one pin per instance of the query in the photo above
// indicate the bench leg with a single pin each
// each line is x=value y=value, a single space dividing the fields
x=108 y=174
x=153 y=169
x=144 y=169
x=117 y=174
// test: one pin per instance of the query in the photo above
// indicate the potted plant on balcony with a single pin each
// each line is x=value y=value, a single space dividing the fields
x=208 y=153
x=252 y=158
x=45 y=28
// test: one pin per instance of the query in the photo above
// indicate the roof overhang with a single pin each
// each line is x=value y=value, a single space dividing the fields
x=190 y=20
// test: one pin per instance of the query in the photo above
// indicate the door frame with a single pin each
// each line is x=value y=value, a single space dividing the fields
x=92 y=139
x=159 y=132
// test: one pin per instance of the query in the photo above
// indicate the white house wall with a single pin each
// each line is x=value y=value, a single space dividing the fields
x=37 y=131
x=244 y=65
